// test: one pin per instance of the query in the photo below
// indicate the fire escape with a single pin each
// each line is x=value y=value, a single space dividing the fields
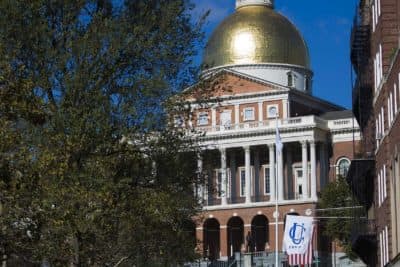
x=362 y=169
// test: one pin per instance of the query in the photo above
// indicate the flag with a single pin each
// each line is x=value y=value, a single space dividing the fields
x=298 y=234
x=303 y=259
x=298 y=240
x=278 y=141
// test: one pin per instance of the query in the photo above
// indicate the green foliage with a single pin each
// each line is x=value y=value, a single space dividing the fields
x=84 y=178
x=338 y=195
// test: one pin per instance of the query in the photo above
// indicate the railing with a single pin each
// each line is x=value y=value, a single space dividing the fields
x=282 y=123
x=339 y=124
x=259 y=259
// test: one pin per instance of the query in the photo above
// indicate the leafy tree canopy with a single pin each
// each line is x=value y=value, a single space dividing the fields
x=335 y=196
x=89 y=169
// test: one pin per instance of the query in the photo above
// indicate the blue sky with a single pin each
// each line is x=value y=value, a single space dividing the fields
x=325 y=26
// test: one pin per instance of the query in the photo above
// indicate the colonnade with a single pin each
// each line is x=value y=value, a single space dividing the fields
x=276 y=173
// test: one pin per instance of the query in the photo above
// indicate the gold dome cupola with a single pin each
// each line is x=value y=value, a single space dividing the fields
x=255 y=33
x=254 y=37
x=241 y=3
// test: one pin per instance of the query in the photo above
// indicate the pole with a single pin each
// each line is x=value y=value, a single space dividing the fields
x=276 y=200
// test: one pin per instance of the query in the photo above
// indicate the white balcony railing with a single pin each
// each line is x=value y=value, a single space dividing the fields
x=297 y=122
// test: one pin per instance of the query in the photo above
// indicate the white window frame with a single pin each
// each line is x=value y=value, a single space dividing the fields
x=253 y=117
x=203 y=115
x=338 y=165
x=226 y=111
x=265 y=168
x=219 y=184
x=299 y=166
x=251 y=181
x=269 y=114
x=395 y=99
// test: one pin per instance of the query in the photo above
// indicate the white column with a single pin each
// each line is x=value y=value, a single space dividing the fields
x=313 y=160
x=213 y=118
x=285 y=108
x=272 y=171
x=237 y=116
x=322 y=166
x=304 y=168
x=280 y=176
x=248 y=173
x=260 y=112
x=224 y=182
x=200 y=182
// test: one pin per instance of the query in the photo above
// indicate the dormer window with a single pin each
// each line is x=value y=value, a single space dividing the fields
x=291 y=79
x=306 y=83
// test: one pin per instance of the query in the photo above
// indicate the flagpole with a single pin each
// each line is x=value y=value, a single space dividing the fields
x=276 y=196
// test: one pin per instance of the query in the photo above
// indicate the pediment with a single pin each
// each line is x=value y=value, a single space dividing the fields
x=228 y=83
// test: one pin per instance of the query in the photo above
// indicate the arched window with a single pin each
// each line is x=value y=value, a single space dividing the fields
x=342 y=165
x=290 y=79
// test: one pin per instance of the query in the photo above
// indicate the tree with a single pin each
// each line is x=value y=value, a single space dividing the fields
x=89 y=169
x=334 y=196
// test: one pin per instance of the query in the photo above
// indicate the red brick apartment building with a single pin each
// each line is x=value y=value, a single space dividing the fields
x=375 y=173
x=263 y=61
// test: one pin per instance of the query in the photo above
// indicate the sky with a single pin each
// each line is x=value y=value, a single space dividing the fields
x=325 y=26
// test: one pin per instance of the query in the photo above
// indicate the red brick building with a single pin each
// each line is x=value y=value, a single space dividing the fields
x=262 y=64
x=376 y=61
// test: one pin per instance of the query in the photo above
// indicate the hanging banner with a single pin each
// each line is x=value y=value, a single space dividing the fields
x=298 y=234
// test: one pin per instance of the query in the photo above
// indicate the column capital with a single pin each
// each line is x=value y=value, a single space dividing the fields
x=222 y=149
x=312 y=142
x=271 y=145
x=246 y=148
x=303 y=142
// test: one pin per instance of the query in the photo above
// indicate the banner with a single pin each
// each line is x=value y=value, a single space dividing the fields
x=298 y=234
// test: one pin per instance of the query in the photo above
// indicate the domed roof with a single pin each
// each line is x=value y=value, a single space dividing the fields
x=256 y=34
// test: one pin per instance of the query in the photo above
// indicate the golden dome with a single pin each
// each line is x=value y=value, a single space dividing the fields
x=256 y=34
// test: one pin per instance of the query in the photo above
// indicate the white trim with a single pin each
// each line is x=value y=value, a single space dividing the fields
x=395 y=99
x=338 y=164
x=384 y=182
x=260 y=204
x=253 y=117
x=387 y=244
x=379 y=8
x=243 y=168
x=379 y=190
x=270 y=115
x=373 y=17
x=226 y=125
x=228 y=186
x=205 y=114
x=381 y=249
x=265 y=167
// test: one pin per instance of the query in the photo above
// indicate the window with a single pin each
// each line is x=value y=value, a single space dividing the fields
x=384 y=246
x=202 y=119
x=299 y=182
x=272 y=111
x=248 y=114
x=291 y=78
x=343 y=166
x=221 y=191
x=242 y=182
x=382 y=190
x=226 y=119
x=267 y=180
x=178 y=121
x=306 y=83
